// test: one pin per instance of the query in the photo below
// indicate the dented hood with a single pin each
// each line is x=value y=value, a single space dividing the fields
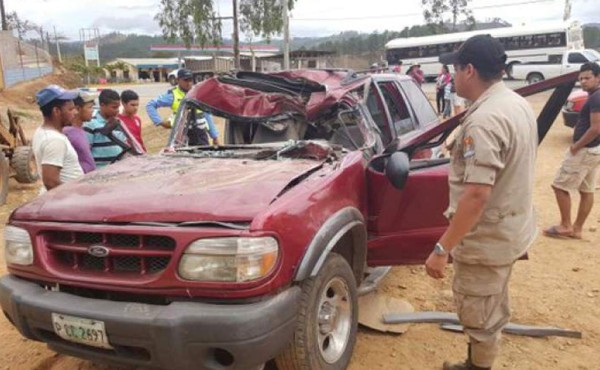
x=168 y=189
x=249 y=96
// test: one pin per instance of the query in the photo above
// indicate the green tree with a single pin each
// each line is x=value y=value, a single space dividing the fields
x=436 y=11
x=193 y=21
x=196 y=21
x=22 y=26
x=262 y=18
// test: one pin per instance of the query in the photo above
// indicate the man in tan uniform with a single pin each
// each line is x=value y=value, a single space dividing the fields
x=491 y=214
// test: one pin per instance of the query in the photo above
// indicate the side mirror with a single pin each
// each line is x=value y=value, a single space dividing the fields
x=397 y=169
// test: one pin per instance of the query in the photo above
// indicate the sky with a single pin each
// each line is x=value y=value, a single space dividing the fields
x=308 y=18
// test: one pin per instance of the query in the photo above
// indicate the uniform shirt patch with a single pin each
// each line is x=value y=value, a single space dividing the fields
x=468 y=147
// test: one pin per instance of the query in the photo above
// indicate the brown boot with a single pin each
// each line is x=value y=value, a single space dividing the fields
x=467 y=365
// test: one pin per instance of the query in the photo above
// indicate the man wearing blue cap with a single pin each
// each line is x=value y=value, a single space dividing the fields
x=490 y=212
x=197 y=133
x=55 y=157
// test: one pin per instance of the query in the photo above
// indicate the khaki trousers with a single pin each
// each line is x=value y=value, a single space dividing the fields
x=482 y=303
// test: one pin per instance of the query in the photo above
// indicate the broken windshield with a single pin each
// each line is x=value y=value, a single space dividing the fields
x=340 y=130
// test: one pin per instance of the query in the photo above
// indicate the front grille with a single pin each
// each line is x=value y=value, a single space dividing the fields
x=127 y=253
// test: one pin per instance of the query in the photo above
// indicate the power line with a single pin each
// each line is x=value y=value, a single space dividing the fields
x=416 y=14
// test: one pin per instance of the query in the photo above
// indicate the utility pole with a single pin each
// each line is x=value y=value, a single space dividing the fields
x=3 y=16
x=57 y=45
x=567 y=12
x=286 y=35
x=236 y=37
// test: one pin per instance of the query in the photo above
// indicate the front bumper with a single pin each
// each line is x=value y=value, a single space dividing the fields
x=570 y=117
x=181 y=335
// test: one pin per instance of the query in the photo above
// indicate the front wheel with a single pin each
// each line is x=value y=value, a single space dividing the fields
x=534 y=78
x=327 y=320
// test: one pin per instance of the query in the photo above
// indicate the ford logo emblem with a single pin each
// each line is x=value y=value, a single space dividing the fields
x=98 y=251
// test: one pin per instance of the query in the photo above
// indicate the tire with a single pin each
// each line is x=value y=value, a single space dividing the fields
x=4 y=175
x=172 y=80
x=327 y=320
x=534 y=77
x=24 y=165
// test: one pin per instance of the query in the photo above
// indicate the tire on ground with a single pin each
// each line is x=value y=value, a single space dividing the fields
x=534 y=77
x=4 y=175
x=24 y=165
x=327 y=320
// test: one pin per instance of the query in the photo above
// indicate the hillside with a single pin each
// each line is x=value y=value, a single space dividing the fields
x=116 y=45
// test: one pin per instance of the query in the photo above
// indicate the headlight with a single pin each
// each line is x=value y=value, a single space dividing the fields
x=18 y=249
x=229 y=259
x=569 y=105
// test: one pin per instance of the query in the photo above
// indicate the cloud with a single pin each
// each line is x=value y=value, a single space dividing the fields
x=143 y=23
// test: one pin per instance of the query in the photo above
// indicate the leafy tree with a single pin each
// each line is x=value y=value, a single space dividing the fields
x=262 y=18
x=435 y=12
x=197 y=20
x=22 y=26
x=189 y=20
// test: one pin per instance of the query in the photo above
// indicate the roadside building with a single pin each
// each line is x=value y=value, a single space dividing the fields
x=141 y=69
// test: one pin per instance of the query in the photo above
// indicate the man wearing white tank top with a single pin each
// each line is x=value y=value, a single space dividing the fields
x=55 y=157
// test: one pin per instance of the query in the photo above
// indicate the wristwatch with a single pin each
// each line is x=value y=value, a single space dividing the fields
x=439 y=250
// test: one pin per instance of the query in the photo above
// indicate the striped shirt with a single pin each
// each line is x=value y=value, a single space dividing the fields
x=105 y=149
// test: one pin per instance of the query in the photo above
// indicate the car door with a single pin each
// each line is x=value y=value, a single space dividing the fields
x=404 y=224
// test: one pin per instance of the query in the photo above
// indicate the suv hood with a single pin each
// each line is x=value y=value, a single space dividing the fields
x=167 y=188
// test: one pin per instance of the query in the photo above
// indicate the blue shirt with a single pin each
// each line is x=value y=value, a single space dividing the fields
x=166 y=100
x=104 y=150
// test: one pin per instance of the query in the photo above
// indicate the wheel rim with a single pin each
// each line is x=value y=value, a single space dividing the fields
x=334 y=320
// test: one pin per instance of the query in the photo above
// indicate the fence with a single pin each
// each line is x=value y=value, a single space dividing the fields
x=21 y=61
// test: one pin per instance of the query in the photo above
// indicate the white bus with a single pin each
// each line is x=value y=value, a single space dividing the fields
x=540 y=43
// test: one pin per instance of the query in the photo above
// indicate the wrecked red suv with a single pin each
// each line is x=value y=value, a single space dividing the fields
x=228 y=257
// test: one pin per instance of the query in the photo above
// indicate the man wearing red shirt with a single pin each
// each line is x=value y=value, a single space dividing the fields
x=131 y=102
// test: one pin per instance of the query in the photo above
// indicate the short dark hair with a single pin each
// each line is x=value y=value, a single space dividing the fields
x=48 y=108
x=108 y=96
x=592 y=67
x=129 y=95
x=79 y=102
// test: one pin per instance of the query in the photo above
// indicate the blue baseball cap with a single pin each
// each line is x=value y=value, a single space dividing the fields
x=54 y=92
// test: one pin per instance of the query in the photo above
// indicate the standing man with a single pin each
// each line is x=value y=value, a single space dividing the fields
x=579 y=170
x=416 y=73
x=55 y=157
x=197 y=134
x=491 y=214
x=104 y=132
x=84 y=105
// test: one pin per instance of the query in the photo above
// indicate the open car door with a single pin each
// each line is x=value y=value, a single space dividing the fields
x=405 y=221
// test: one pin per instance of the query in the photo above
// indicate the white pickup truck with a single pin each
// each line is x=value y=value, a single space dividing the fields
x=559 y=64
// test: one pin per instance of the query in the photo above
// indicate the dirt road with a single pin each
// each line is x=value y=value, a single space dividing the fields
x=558 y=286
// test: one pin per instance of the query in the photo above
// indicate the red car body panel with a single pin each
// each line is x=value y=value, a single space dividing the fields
x=288 y=199
x=578 y=98
x=329 y=88
x=168 y=189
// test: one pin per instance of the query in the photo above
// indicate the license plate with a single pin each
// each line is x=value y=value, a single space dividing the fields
x=79 y=330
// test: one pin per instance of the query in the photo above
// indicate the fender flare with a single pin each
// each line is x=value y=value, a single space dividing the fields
x=346 y=220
